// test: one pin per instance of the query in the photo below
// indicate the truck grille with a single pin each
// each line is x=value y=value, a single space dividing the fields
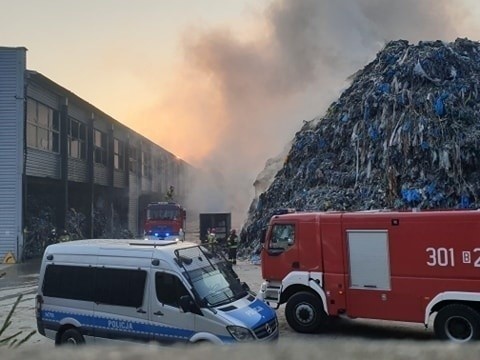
x=267 y=329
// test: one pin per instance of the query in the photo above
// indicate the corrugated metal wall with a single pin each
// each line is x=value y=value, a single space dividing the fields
x=77 y=170
x=78 y=113
x=12 y=72
x=43 y=163
x=41 y=95
x=100 y=175
x=146 y=185
x=119 y=180
x=133 y=204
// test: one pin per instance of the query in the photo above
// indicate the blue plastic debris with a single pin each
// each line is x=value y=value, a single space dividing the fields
x=403 y=134
x=411 y=196
x=440 y=106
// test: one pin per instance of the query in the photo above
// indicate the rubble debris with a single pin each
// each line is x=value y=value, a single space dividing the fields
x=405 y=134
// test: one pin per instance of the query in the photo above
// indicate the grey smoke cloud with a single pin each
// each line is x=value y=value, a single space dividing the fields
x=291 y=70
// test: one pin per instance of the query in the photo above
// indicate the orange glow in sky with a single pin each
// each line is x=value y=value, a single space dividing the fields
x=221 y=84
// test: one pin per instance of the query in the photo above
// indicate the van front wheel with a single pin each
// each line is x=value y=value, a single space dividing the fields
x=71 y=337
x=304 y=312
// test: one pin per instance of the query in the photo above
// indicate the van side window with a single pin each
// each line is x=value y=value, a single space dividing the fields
x=283 y=236
x=122 y=287
x=69 y=282
x=169 y=289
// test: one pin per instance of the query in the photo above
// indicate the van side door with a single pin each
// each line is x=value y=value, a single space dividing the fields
x=120 y=305
x=169 y=322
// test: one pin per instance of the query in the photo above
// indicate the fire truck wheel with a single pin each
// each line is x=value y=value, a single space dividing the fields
x=304 y=312
x=458 y=323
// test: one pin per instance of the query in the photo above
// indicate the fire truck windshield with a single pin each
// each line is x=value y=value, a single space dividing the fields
x=161 y=213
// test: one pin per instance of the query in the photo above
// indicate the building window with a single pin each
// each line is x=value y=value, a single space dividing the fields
x=132 y=159
x=77 y=140
x=145 y=164
x=100 y=146
x=118 y=154
x=43 y=127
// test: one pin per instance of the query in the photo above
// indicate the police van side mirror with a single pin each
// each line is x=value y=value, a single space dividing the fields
x=187 y=304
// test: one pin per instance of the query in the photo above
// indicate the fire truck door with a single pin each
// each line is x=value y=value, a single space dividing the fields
x=368 y=273
x=280 y=252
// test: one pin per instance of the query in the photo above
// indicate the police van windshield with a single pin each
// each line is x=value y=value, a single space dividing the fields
x=213 y=280
x=216 y=286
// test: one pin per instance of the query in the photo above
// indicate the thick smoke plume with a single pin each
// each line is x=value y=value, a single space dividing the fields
x=236 y=101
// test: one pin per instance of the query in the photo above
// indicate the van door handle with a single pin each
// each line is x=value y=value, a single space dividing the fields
x=159 y=313
x=141 y=311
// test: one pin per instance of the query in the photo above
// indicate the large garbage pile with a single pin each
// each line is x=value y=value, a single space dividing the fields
x=405 y=134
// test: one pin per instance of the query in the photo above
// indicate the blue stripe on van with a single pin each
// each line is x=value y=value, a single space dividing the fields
x=116 y=328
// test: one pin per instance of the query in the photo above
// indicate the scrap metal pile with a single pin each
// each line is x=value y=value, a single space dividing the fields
x=405 y=134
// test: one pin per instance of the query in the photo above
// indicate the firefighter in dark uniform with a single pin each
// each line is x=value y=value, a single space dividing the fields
x=232 y=244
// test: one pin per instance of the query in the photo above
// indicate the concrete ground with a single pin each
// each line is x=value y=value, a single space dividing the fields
x=358 y=340
x=320 y=349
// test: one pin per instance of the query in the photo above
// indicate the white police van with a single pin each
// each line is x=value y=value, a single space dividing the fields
x=142 y=290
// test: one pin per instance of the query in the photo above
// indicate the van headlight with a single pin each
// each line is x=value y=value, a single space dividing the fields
x=240 y=333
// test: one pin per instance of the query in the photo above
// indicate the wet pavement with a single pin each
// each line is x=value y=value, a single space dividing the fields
x=19 y=274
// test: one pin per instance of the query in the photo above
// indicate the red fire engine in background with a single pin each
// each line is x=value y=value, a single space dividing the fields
x=164 y=221
x=400 y=266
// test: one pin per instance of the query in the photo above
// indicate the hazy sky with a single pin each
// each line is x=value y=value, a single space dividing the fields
x=224 y=84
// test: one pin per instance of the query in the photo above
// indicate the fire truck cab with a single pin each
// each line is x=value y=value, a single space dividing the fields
x=164 y=221
x=399 y=266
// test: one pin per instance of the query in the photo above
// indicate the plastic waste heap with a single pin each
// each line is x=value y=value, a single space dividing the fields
x=404 y=134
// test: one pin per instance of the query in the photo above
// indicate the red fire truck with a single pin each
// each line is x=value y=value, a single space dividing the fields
x=399 y=266
x=164 y=221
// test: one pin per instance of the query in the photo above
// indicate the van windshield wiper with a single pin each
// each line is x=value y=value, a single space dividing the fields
x=224 y=301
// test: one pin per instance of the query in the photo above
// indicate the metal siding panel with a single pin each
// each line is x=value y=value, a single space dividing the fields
x=120 y=133
x=133 y=205
x=12 y=72
x=119 y=179
x=43 y=163
x=77 y=170
x=45 y=97
x=101 y=124
x=146 y=185
x=78 y=113
x=100 y=175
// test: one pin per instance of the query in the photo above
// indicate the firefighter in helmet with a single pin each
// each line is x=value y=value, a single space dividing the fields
x=64 y=237
x=211 y=239
x=232 y=244
x=169 y=194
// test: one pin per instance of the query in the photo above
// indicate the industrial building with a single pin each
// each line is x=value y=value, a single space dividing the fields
x=67 y=163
